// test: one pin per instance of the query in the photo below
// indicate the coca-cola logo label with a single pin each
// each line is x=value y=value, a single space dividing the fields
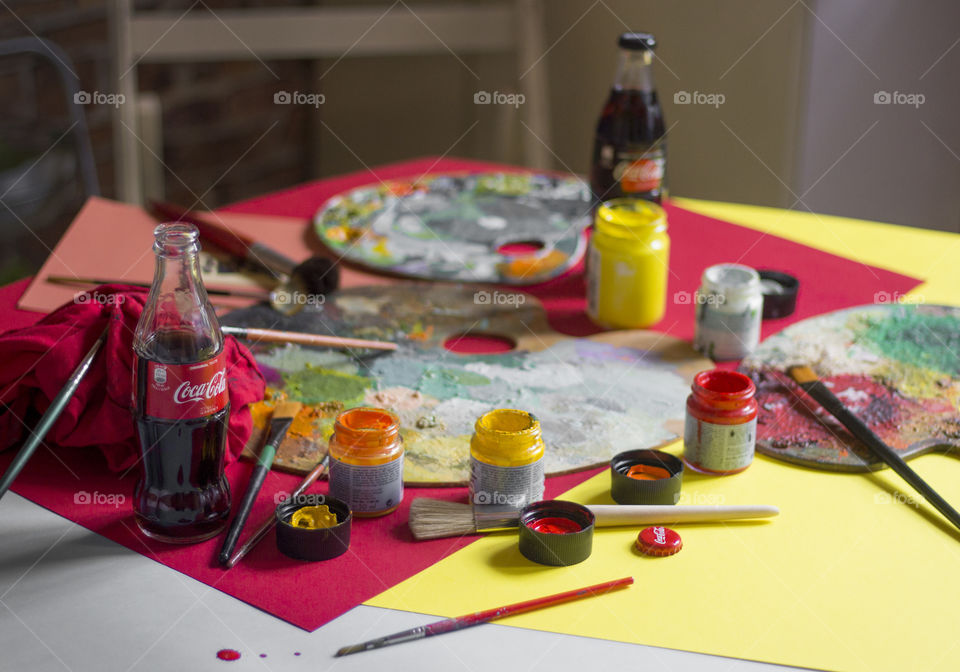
x=639 y=176
x=185 y=391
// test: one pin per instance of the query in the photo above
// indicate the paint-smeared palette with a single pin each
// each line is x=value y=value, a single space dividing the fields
x=455 y=226
x=895 y=366
x=594 y=396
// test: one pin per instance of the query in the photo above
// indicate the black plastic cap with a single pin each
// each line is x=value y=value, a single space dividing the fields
x=558 y=550
x=309 y=544
x=779 y=293
x=627 y=490
x=637 y=41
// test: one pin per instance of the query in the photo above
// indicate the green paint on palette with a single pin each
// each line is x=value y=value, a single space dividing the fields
x=314 y=385
x=918 y=338
x=445 y=383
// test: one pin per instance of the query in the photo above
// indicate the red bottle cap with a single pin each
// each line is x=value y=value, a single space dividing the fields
x=659 y=541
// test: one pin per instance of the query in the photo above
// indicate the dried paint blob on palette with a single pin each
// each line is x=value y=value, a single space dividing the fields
x=897 y=367
x=452 y=226
x=591 y=398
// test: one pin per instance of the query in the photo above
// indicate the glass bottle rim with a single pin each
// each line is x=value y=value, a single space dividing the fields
x=175 y=238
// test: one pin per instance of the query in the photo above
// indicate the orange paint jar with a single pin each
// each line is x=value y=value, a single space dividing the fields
x=366 y=461
x=721 y=424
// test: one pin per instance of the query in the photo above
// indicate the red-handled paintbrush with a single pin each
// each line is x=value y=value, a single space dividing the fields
x=470 y=620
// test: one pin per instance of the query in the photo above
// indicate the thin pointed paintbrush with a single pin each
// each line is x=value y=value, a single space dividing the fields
x=470 y=620
x=438 y=519
x=53 y=412
x=807 y=379
x=280 y=422
x=271 y=520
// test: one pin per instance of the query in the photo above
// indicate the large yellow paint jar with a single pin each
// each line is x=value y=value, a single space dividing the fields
x=506 y=459
x=627 y=264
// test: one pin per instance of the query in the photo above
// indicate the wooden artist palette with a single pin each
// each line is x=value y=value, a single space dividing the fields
x=896 y=366
x=454 y=226
x=595 y=397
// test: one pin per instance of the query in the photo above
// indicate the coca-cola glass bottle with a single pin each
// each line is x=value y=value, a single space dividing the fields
x=180 y=399
x=629 y=151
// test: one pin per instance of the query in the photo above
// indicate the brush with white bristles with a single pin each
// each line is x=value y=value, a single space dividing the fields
x=437 y=519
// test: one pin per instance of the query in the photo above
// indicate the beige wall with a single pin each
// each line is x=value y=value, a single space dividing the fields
x=699 y=41
x=389 y=109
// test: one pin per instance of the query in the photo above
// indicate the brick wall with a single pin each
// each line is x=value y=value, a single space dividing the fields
x=213 y=113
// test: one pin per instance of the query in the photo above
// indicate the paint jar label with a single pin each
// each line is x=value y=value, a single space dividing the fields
x=505 y=486
x=716 y=447
x=721 y=335
x=593 y=281
x=367 y=488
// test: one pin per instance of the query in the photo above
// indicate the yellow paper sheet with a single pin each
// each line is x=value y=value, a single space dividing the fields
x=857 y=573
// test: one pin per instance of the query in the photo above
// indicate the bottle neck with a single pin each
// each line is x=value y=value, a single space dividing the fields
x=634 y=71
x=177 y=319
x=179 y=271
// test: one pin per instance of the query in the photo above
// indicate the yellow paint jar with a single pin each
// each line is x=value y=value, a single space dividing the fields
x=366 y=461
x=627 y=264
x=506 y=459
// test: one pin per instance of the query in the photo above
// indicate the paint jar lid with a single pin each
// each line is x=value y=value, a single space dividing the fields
x=309 y=543
x=645 y=477
x=659 y=541
x=557 y=533
x=733 y=281
x=779 y=293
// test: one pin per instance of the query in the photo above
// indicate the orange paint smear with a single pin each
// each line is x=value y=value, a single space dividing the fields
x=533 y=266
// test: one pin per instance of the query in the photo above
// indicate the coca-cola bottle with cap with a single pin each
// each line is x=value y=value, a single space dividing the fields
x=629 y=149
x=180 y=399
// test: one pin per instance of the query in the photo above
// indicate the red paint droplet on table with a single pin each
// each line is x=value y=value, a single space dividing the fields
x=228 y=654
x=296 y=653
x=263 y=655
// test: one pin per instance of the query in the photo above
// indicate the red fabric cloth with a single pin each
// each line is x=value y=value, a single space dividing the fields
x=38 y=359
x=382 y=552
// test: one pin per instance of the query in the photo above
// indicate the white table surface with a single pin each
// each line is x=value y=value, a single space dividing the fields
x=73 y=600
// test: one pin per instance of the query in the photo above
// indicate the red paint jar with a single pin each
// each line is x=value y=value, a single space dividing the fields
x=721 y=425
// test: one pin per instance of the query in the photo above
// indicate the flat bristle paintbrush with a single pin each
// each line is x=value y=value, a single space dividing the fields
x=280 y=422
x=437 y=519
x=808 y=381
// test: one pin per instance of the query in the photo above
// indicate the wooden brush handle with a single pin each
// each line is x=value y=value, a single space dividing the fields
x=614 y=514
x=302 y=338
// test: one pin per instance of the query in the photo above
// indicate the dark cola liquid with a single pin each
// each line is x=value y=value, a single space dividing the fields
x=628 y=146
x=182 y=495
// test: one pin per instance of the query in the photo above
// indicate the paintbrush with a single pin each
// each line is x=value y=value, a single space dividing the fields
x=470 y=620
x=807 y=379
x=316 y=275
x=437 y=519
x=261 y=295
x=280 y=422
x=303 y=338
x=271 y=520
x=50 y=416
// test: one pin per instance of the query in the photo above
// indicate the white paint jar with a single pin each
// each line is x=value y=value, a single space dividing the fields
x=729 y=305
